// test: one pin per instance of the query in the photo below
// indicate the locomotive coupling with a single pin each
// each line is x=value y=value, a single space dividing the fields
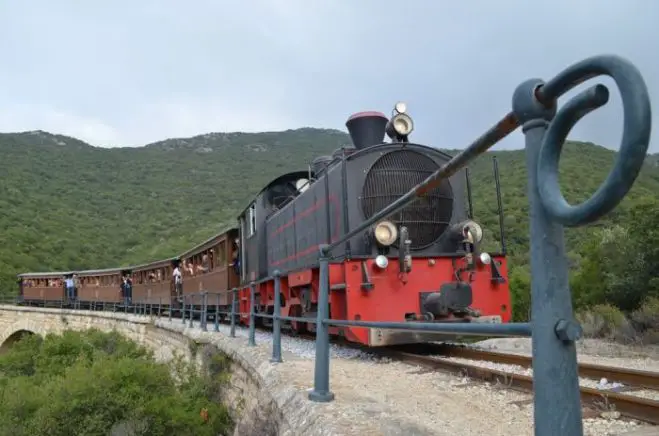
x=452 y=297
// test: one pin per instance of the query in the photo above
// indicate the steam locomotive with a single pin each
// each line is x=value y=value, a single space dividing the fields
x=423 y=263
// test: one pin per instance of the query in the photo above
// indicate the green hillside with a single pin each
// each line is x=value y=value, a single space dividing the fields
x=67 y=205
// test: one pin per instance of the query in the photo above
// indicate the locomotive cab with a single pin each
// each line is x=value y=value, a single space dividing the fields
x=274 y=199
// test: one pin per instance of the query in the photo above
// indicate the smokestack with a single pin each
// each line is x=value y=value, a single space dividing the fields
x=367 y=128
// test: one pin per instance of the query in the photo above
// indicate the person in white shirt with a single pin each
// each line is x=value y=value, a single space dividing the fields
x=70 y=288
x=178 y=282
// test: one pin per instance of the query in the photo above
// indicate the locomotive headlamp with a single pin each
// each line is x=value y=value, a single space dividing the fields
x=400 y=107
x=485 y=258
x=381 y=261
x=402 y=124
x=472 y=232
x=385 y=233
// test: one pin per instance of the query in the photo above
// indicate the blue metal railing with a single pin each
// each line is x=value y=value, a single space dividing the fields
x=553 y=328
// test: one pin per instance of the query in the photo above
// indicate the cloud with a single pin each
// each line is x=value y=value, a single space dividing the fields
x=139 y=72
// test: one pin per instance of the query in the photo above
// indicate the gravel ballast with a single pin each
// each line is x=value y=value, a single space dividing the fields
x=377 y=396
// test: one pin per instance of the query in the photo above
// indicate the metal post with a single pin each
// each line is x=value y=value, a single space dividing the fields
x=556 y=385
x=557 y=404
x=191 y=308
x=252 y=315
x=183 y=309
x=321 y=392
x=276 y=321
x=159 y=306
x=203 y=322
x=217 y=312
x=497 y=185
x=234 y=293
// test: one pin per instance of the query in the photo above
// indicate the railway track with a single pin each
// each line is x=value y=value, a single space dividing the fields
x=425 y=355
x=596 y=400
x=630 y=406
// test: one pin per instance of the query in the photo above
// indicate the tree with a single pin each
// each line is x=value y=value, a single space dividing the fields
x=620 y=265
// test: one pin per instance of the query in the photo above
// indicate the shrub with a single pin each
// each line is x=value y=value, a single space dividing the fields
x=645 y=320
x=606 y=322
x=90 y=383
x=520 y=293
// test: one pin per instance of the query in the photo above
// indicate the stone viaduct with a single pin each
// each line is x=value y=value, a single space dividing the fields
x=261 y=397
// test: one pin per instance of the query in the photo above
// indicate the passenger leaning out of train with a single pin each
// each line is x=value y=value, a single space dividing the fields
x=189 y=268
x=70 y=288
x=178 y=282
x=127 y=289
x=205 y=265
x=235 y=257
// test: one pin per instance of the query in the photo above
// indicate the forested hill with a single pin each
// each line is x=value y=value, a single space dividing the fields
x=67 y=205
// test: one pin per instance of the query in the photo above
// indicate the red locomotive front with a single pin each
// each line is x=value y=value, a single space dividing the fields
x=424 y=263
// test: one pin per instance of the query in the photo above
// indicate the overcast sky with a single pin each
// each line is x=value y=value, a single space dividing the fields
x=125 y=73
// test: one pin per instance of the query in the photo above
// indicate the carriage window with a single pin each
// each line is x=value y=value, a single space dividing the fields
x=251 y=220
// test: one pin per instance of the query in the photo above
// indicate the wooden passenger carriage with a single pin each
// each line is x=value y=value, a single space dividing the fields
x=211 y=261
x=211 y=267
x=152 y=282
x=100 y=286
x=38 y=288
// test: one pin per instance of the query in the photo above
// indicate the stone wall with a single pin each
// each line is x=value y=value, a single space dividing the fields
x=260 y=403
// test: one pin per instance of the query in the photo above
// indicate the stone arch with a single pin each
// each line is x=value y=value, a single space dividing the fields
x=17 y=330
x=15 y=337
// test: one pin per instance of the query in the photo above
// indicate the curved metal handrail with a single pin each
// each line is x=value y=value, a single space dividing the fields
x=637 y=127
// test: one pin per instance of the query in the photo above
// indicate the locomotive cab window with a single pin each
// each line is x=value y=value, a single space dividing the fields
x=251 y=220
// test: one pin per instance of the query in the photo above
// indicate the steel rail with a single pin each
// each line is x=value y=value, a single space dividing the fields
x=630 y=377
x=638 y=408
